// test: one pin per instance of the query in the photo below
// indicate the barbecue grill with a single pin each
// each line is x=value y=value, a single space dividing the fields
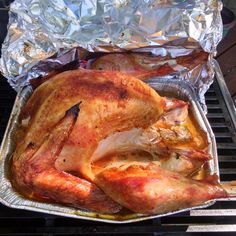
x=221 y=217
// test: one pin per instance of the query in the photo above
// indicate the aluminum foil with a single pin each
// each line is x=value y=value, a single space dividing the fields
x=11 y=198
x=44 y=32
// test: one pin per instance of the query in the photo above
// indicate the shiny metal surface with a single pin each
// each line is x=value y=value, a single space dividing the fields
x=225 y=93
x=105 y=26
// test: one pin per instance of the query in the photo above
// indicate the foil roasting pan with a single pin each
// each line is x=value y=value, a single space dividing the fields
x=10 y=198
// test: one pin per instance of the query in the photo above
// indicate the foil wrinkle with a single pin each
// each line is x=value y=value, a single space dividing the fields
x=39 y=30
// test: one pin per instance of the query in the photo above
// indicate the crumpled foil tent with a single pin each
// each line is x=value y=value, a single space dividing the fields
x=41 y=34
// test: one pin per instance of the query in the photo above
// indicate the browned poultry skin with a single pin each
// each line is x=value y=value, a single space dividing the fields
x=35 y=169
x=144 y=65
x=128 y=63
x=193 y=60
x=175 y=141
x=152 y=190
x=111 y=102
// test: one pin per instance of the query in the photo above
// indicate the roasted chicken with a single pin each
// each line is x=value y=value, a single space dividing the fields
x=127 y=141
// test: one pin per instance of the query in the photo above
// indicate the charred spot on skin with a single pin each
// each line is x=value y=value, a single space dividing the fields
x=123 y=94
x=31 y=145
x=74 y=110
x=177 y=156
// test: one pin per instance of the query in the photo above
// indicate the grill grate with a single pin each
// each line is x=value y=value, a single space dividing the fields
x=214 y=220
x=225 y=134
x=217 y=218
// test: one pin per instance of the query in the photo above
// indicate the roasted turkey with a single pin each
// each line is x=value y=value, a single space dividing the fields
x=103 y=140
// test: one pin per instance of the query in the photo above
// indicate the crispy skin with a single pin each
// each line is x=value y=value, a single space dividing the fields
x=110 y=102
x=174 y=140
x=153 y=190
x=144 y=65
x=35 y=169
x=131 y=64
x=184 y=165
x=193 y=60
x=166 y=140
x=40 y=80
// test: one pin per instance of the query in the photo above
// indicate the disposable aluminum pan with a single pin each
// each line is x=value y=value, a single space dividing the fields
x=11 y=198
